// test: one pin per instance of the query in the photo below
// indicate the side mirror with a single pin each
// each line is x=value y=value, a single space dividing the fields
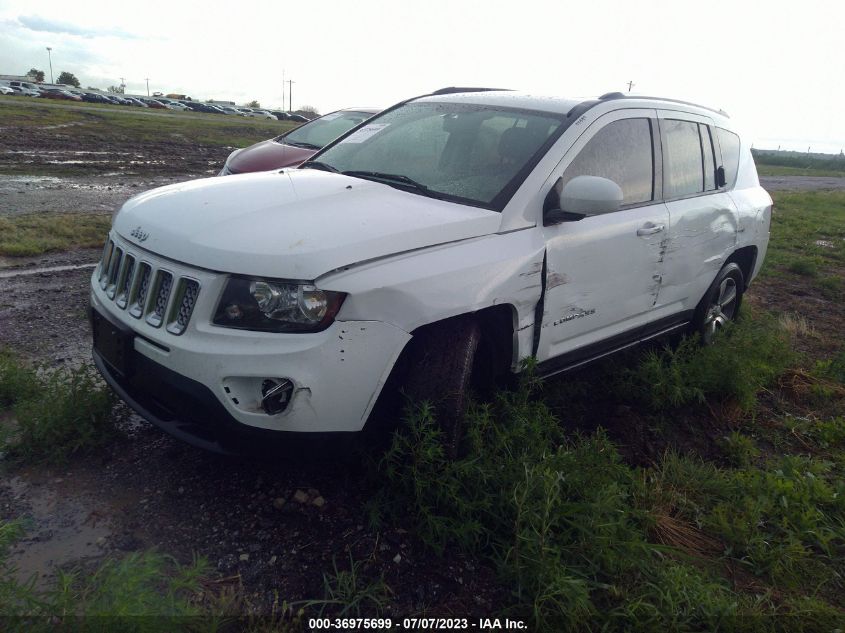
x=582 y=196
x=721 y=180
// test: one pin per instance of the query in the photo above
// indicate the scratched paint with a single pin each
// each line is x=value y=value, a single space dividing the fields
x=556 y=279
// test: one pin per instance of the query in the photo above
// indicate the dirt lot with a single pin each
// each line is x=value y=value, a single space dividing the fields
x=273 y=525
x=74 y=194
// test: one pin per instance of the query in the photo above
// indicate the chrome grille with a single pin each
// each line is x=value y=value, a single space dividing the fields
x=114 y=270
x=163 y=284
x=108 y=249
x=184 y=305
x=125 y=283
x=144 y=275
x=147 y=290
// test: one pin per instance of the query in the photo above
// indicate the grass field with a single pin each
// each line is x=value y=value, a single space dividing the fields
x=105 y=123
x=808 y=239
x=34 y=234
x=73 y=140
x=774 y=163
x=782 y=170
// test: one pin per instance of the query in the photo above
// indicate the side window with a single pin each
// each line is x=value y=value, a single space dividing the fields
x=709 y=157
x=683 y=167
x=729 y=143
x=622 y=152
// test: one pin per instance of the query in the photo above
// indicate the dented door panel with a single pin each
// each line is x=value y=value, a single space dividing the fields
x=701 y=236
x=602 y=277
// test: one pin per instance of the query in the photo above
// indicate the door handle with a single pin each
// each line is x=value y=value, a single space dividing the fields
x=650 y=229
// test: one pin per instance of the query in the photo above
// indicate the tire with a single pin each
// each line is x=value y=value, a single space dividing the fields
x=441 y=372
x=720 y=303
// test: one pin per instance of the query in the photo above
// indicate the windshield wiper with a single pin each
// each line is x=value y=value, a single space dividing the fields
x=303 y=145
x=392 y=180
x=315 y=164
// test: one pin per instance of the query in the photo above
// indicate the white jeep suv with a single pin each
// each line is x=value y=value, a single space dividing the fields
x=444 y=240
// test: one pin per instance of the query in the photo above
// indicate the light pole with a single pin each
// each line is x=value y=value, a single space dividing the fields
x=50 y=60
x=122 y=85
x=147 y=79
x=290 y=95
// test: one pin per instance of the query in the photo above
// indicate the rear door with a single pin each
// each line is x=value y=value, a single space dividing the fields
x=703 y=221
x=604 y=271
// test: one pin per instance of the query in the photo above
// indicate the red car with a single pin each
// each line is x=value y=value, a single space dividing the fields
x=58 y=93
x=298 y=145
x=152 y=103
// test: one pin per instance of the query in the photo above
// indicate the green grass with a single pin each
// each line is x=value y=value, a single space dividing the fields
x=588 y=542
x=140 y=592
x=750 y=355
x=55 y=413
x=808 y=239
x=775 y=163
x=783 y=170
x=350 y=593
x=37 y=233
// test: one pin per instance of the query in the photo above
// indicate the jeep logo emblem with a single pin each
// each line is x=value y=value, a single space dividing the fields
x=139 y=234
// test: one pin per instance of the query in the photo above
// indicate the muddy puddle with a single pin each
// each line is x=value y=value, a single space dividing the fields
x=64 y=528
x=76 y=194
x=43 y=270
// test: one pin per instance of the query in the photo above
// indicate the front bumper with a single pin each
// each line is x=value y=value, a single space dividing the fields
x=188 y=411
x=205 y=383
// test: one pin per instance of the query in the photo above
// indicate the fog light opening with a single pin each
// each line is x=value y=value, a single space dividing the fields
x=275 y=395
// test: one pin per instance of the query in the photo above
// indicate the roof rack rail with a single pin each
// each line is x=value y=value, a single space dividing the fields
x=455 y=89
x=609 y=96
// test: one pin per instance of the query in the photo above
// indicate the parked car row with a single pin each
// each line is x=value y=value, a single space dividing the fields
x=71 y=93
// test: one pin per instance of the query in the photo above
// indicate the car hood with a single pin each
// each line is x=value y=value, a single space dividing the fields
x=267 y=155
x=294 y=224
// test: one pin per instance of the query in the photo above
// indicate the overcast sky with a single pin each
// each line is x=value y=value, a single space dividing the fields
x=777 y=67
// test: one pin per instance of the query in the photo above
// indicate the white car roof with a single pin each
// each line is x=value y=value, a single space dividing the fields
x=563 y=105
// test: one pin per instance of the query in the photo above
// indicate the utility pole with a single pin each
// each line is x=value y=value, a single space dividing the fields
x=147 y=79
x=631 y=84
x=50 y=59
x=283 y=87
x=122 y=85
x=290 y=94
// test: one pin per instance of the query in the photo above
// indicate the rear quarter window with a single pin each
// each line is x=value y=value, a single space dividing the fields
x=729 y=143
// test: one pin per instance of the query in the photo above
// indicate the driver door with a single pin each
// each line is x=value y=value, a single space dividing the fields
x=603 y=272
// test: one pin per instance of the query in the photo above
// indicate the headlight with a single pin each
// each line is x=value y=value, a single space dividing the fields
x=276 y=306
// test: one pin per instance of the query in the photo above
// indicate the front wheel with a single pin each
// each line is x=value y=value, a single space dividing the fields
x=720 y=303
x=441 y=373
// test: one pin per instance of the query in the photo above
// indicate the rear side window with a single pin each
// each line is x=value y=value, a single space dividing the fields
x=622 y=152
x=729 y=143
x=683 y=165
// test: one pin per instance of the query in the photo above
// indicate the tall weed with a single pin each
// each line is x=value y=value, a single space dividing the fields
x=141 y=592
x=55 y=412
x=746 y=357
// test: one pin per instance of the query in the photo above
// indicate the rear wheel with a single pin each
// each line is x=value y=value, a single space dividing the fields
x=720 y=304
x=441 y=372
